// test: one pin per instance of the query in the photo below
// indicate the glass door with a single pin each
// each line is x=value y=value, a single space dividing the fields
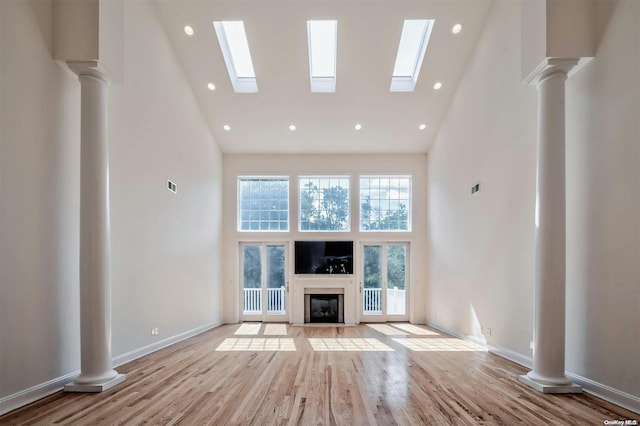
x=384 y=282
x=264 y=282
x=372 y=283
x=396 y=284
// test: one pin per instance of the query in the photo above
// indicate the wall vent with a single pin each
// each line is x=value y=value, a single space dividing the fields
x=172 y=187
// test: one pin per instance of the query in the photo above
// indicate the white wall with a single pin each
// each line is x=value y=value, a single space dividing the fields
x=603 y=205
x=166 y=255
x=296 y=165
x=39 y=203
x=481 y=246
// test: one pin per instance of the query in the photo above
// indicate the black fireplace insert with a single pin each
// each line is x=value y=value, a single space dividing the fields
x=324 y=308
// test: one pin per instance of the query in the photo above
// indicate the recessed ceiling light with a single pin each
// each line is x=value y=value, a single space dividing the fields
x=226 y=127
x=358 y=126
x=456 y=28
x=188 y=30
x=422 y=126
x=292 y=127
x=437 y=86
x=211 y=86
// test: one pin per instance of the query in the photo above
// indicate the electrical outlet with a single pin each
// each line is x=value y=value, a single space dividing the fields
x=486 y=331
x=155 y=331
x=531 y=345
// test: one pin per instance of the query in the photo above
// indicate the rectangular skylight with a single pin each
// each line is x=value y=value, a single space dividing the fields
x=235 y=50
x=323 y=41
x=411 y=50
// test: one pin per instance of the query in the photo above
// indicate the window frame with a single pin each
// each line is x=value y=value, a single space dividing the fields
x=349 y=205
x=409 y=202
x=239 y=209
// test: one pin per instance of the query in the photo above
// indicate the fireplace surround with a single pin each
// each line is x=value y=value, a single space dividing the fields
x=324 y=308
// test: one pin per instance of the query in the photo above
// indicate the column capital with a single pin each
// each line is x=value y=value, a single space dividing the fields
x=550 y=66
x=89 y=69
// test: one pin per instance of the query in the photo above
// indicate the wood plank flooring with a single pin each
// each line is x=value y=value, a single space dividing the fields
x=264 y=374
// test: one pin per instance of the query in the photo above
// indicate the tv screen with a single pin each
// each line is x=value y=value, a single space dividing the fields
x=324 y=257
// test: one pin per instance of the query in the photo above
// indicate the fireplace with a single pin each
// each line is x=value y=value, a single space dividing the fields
x=324 y=308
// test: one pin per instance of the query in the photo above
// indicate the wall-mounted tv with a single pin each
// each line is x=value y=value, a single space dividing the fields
x=324 y=257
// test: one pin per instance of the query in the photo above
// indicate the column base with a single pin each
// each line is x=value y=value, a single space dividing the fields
x=544 y=388
x=95 y=388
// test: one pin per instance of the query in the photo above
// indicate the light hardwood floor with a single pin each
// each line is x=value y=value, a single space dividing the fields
x=266 y=374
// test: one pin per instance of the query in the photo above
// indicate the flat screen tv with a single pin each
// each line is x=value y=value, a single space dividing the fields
x=324 y=257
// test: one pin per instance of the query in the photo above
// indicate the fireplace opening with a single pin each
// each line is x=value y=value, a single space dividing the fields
x=324 y=308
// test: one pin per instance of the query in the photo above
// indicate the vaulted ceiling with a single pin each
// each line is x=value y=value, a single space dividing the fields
x=368 y=37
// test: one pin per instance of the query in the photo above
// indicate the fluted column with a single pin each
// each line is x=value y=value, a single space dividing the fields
x=96 y=373
x=548 y=374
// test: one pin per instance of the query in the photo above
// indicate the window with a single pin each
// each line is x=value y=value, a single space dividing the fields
x=323 y=38
x=411 y=49
x=324 y=203
x=385 y=203
x=263 y=204
x=235 y=50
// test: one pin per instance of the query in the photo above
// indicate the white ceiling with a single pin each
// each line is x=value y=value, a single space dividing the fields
x=368 y=36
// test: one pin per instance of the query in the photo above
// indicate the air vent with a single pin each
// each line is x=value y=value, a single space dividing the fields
x=172 y=187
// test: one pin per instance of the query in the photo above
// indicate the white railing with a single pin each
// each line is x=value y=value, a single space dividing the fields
x=276 y=301
x=253 y=301
x=372 y=301
x=396 y=302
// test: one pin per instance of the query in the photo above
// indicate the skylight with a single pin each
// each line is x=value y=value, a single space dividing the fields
x=323 y=40
x=235 y=50
x=411 y=50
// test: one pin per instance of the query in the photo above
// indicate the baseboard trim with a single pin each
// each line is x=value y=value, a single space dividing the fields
x=34 y=393
x=518 y=358
x=614 y=396
x=607 y=393
x=161 y=344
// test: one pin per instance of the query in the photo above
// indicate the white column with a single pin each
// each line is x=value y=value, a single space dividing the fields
x=548 y=373
x=96 y=373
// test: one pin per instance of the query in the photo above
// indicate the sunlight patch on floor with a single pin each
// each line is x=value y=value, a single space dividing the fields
x=439 y=345
x=275 y=330
x=348 y=344
x=257 y=344
x=387 y=330
x=413 y=329
x=248 y=329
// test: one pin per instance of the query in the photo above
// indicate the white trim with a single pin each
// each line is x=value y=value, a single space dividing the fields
x=148 y=349
x=518 y=358
x=607 y=393
x=42 y=390
x=614 y=396
x=34 y=393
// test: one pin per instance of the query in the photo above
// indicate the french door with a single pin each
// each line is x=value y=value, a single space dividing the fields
x=384 y=280
x=265 y=286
